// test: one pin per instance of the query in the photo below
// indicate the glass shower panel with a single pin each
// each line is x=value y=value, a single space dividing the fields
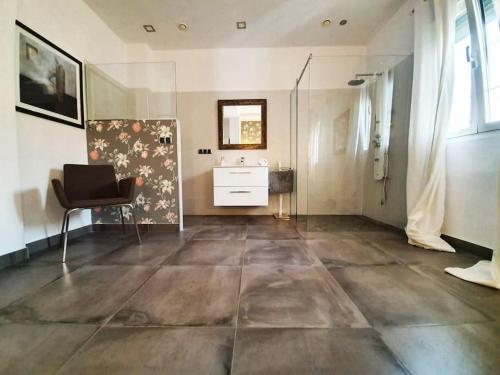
x=131 y=90
x=333 y=122
x=293 y=150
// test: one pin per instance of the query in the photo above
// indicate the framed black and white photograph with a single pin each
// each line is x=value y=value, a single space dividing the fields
x=49 y=79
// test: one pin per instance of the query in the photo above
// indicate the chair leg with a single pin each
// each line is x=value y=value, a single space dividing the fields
x=65 y=238
x=123 y=219
x=135 y=223
x=62 y=228
x=66 y=233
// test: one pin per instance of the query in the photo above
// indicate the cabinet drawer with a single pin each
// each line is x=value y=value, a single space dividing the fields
x=241 y=196
x=245 y=176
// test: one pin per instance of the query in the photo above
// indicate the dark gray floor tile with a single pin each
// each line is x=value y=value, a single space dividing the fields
x=150 y=253
x=78 y=253
x=469 y=349
x=220 y=232
x=226 y=220
x=380 y=235
x=276 y=252
x=396 y=295
x=312 y=351
x=17 y=282
x=333 y=236
x=209 y=252
x=482 y=298
x=185 y=295
x=155 y=351
x=89 y=294
x=272 y=232
x=294 y=296
x=348 y=253
x=172 y=237
x=409 y=254
x=39 y=349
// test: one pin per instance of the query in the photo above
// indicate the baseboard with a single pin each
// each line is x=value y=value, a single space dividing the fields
x=15 y=257
x=131 y=227
x=478 y=250
x=461 y=245
x=35 y=247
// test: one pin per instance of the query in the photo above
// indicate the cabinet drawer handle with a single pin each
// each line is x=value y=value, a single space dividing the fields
x=240 y=192
x=240 y=172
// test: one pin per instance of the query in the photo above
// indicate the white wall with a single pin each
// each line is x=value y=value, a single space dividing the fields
x=44 y=146
x=237 y=69
x=472 y=190
x=11 y=216
x=395 y=37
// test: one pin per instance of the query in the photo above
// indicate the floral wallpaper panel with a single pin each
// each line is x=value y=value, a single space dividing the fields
x=133 y=148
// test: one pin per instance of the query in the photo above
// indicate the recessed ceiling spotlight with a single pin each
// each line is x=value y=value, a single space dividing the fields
x=241 y=25
x=149 y=28
x=326 y=23
x=182 y=27
x=343 y=23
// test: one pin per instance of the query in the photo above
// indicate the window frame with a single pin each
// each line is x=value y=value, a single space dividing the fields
x=476 y=19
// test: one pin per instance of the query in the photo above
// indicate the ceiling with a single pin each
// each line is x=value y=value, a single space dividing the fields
x=270 y=23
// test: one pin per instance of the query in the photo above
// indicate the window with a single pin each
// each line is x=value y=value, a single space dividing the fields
x=476 y=96
x=461 y=117
x=490 y=15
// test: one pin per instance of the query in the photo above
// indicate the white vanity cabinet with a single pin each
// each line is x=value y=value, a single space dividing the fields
x=241 y=186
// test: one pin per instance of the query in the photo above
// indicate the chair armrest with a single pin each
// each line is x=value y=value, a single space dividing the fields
x=126 y=188
x=60 y=194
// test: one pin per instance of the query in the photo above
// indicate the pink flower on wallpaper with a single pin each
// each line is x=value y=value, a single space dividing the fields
x=168 y=163
x=136 y=127
x=147 y=207
x=99 y=128
x=97 y=209
x=139 y=181
x=144 y=155
x=94 y=155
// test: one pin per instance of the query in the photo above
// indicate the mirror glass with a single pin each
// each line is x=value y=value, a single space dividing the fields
x=242 y=124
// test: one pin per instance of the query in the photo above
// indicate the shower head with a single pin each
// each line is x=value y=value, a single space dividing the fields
x=357 y=81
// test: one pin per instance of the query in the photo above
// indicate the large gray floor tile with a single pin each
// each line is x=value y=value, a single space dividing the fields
x=396 y=295
x=220 y=232
x=39 y=349
x=380 y=235
x=17 y=282
x=209 y=252
x=89 y=294
x=155 y=351
x=348 y=253
x=78 y=253
x=185 y=295
x=312 y=351
x=272 y=232
x=294 y=296
x=409 y=254
x=270 y=252
x=332 y=236
x=469 y=349
x=480 y=297
x=149 y=253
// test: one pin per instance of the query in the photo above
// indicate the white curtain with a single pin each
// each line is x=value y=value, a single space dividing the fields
x=484 y=272
x=430 y=112
x=356 y=150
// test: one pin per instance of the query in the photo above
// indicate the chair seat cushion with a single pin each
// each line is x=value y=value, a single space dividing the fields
x=89 y=203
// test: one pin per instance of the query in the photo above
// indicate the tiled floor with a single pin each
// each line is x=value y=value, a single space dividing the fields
x=248 y=295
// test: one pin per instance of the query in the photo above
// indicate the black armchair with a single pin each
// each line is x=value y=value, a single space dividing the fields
x=89 y=186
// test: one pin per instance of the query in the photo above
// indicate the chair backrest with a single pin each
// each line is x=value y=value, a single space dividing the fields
x=89 y=182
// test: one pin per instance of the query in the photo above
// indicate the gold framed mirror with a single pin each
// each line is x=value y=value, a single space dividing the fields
x=242 y=124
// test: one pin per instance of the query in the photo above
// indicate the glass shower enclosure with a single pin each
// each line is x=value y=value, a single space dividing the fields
x=340 y=121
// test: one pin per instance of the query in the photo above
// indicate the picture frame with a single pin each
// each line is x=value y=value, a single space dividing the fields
x=49 y=80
